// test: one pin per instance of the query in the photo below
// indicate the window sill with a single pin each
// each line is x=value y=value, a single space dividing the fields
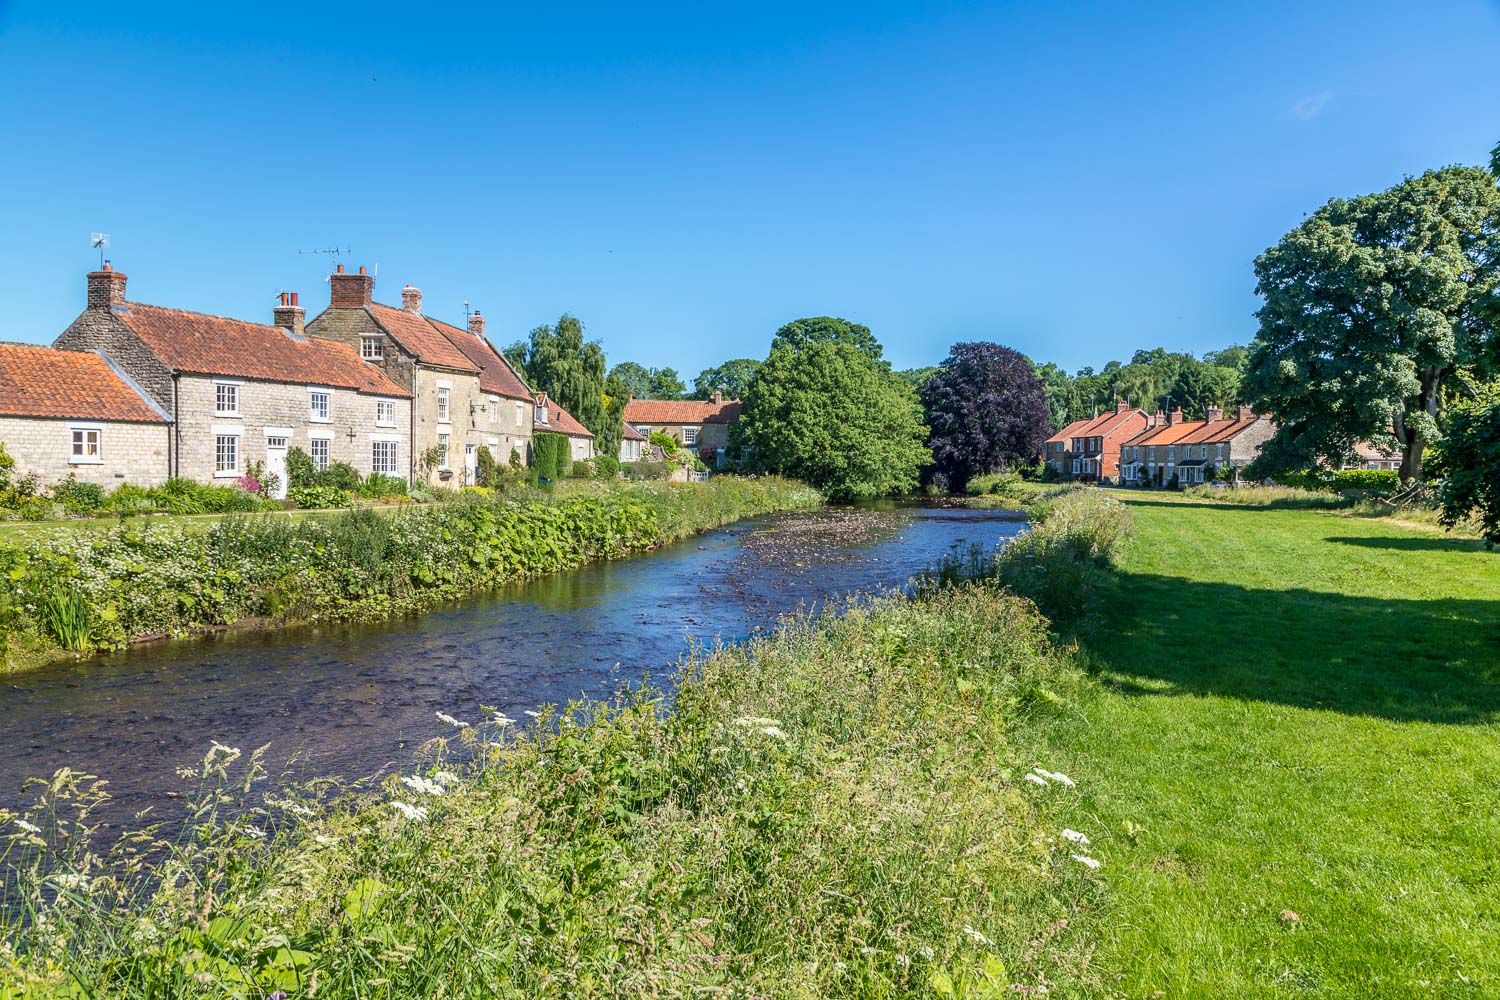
x=447 y=422
x=236 y=415
x=226 y=475
x=385 y=423
x=320 y=420
x=78 y=460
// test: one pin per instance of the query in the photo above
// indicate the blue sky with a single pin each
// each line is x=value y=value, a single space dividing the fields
x=1075 y=180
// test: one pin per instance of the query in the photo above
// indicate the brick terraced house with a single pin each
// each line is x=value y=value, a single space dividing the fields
x=466 y=396
x=77 y=413
x=702 y=425
x=240 y=393
x=1089 y=450
x=1193 y=451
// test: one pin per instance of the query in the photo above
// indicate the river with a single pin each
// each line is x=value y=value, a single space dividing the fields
x=352 y=700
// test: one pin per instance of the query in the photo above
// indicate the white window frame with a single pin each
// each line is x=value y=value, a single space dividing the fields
x=520 y=414
x=382 y=447
x=78 y=435
x=388 y=406
x=494 y=402
x=313 y=416
x=221 y=435
x=316 y=444
x=689 y=434
x=220 y=385
x=445 y=442
x=368 y=341
x=444 y=404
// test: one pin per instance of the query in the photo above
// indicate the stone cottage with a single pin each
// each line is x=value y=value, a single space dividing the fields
x=632 y=442
x=76 y=413
x=241 y=393
x=702 y=425
x=552 y=417
x=466 y=396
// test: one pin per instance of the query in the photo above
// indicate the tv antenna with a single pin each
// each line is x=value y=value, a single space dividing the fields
x=334 y=252
x=99 y=241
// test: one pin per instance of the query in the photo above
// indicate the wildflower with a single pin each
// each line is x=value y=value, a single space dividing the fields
x=925 y=952
x=71 y=880
x=977 y=936
x=417 y=813
x=445 y=778
x=773 y=731
x=1037 y=779
x=450 y=720
x=754 y=720
x=28 y=827
x=417 y=783
x=325 y=841
x=1075 y=837
x=502 y=720
x=534 y=715
x=1061 y=779
x=1087 y=861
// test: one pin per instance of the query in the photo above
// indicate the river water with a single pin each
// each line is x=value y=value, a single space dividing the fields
x=353 y=700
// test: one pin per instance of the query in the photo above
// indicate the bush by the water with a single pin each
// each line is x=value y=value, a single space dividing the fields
x=149 y=578
x=842 y=810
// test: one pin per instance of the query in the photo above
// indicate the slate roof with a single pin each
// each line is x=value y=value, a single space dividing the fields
x=216 y=345
x=44 y=382
x=559 y=419
x=681 y=411
x=420 y=338
x=495 y=373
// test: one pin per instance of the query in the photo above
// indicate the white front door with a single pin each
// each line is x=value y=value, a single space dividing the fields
x=276 y=464
x=471 y=464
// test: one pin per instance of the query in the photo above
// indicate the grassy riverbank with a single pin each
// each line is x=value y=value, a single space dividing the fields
x=1295 y=750
x=81 y=591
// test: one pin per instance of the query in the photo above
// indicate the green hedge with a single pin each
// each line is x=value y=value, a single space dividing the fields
x=549 y=456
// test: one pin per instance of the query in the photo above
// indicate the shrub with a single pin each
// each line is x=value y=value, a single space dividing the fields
x=79 y=498
x=606 y=466
x=300 y=471
x=486 y=468
x=584 y=468
x=648 y=470
x=130 y=499
x=1374 y=482
x=318 y=497
x=340 y=475
x=666 y=442
x=549 y=455
x=379 y=486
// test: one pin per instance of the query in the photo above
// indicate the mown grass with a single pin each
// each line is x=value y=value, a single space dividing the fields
x=1296 y=755
x=836 y=811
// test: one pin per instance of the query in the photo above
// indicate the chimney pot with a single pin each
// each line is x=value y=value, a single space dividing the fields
x=294 y=299
x=106 y=288
x=411 y=298
x=1176 y=416
x=350 y=290
x=340 y=269
x=1214 y=413
x=476 y=324
x=361 y=269
x=289 y=315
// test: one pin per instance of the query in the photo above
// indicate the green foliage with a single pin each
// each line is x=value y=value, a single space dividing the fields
x=486 y=469
x=319 y=497
x=1470 y=464
x=825 y=410
x=79 y=499
x=65 y=614
x=1371 y=305
x=549 y=455
x=300 y=470
x=562 y=364
x=666 y=442
x=647 y=470
x=379 y=486
x=340 y=475
x=1152 y=380
x=607 y=466
x=729 y=379
x=649 y=383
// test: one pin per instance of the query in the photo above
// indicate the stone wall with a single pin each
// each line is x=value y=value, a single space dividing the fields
x=100 y=330
x=350 y=431
x=129 y=453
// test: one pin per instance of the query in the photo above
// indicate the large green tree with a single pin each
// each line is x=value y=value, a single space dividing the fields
x=729 y=379
x=649 y=383
x=559 y=362
x=824 y=409
x=1201 y=385
x=1370 y=307
x=1469 y=460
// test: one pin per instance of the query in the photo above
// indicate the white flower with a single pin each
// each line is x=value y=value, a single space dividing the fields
x=925 y=952
x=978 y=937
x=444 y=717
x=754 y=720
x=534 y=715
x=28 y=827
x=446 y=778
x=773 y=731
x=1076 y=837
x=1087 y=861
x=417 y=783
x=1037 y=779
x=70 y=880
x=418 y=813
x=502 y=720
x=1061 y=779
x=325 y=841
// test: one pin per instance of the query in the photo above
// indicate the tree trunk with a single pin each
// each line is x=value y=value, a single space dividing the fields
x=1411 y=457
x=1413 y=443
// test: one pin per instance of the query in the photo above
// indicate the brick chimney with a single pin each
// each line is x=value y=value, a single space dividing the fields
x=1121 y=405
x=346 y=290
x=1159 y=419
x=1175 y=417
x=718 y=399
x=476 y=324
x=1214 y=413
x=1246 y=413
x=289 y=314
x=411 y=299
x=106 y=288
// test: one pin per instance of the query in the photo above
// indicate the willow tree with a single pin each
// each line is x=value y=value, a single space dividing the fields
x=1371 y=306
x=559 y=362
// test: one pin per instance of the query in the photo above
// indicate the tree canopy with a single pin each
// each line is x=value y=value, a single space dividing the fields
x=987 y=409
x=558 y=361
x=823 y=409
x=729 y=379
x=649 y=383
x=1155 y=379
x=1371 y=305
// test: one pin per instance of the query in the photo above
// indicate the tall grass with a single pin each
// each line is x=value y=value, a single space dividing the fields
x=837 y=811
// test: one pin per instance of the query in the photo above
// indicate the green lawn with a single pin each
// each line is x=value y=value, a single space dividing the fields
x=1299 y=715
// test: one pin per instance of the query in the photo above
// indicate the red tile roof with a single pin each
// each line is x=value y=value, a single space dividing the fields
x=631 y=434
x=215 y=345
x=681 y=411
x=420 y=338
x=559 y=419
x=42 y=382
x=1192 y=432
x=1071 y=431
x=495 y=373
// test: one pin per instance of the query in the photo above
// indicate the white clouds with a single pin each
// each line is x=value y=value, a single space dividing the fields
x=1311 y=106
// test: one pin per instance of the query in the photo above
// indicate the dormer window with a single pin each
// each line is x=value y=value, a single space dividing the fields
x=371 y=348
